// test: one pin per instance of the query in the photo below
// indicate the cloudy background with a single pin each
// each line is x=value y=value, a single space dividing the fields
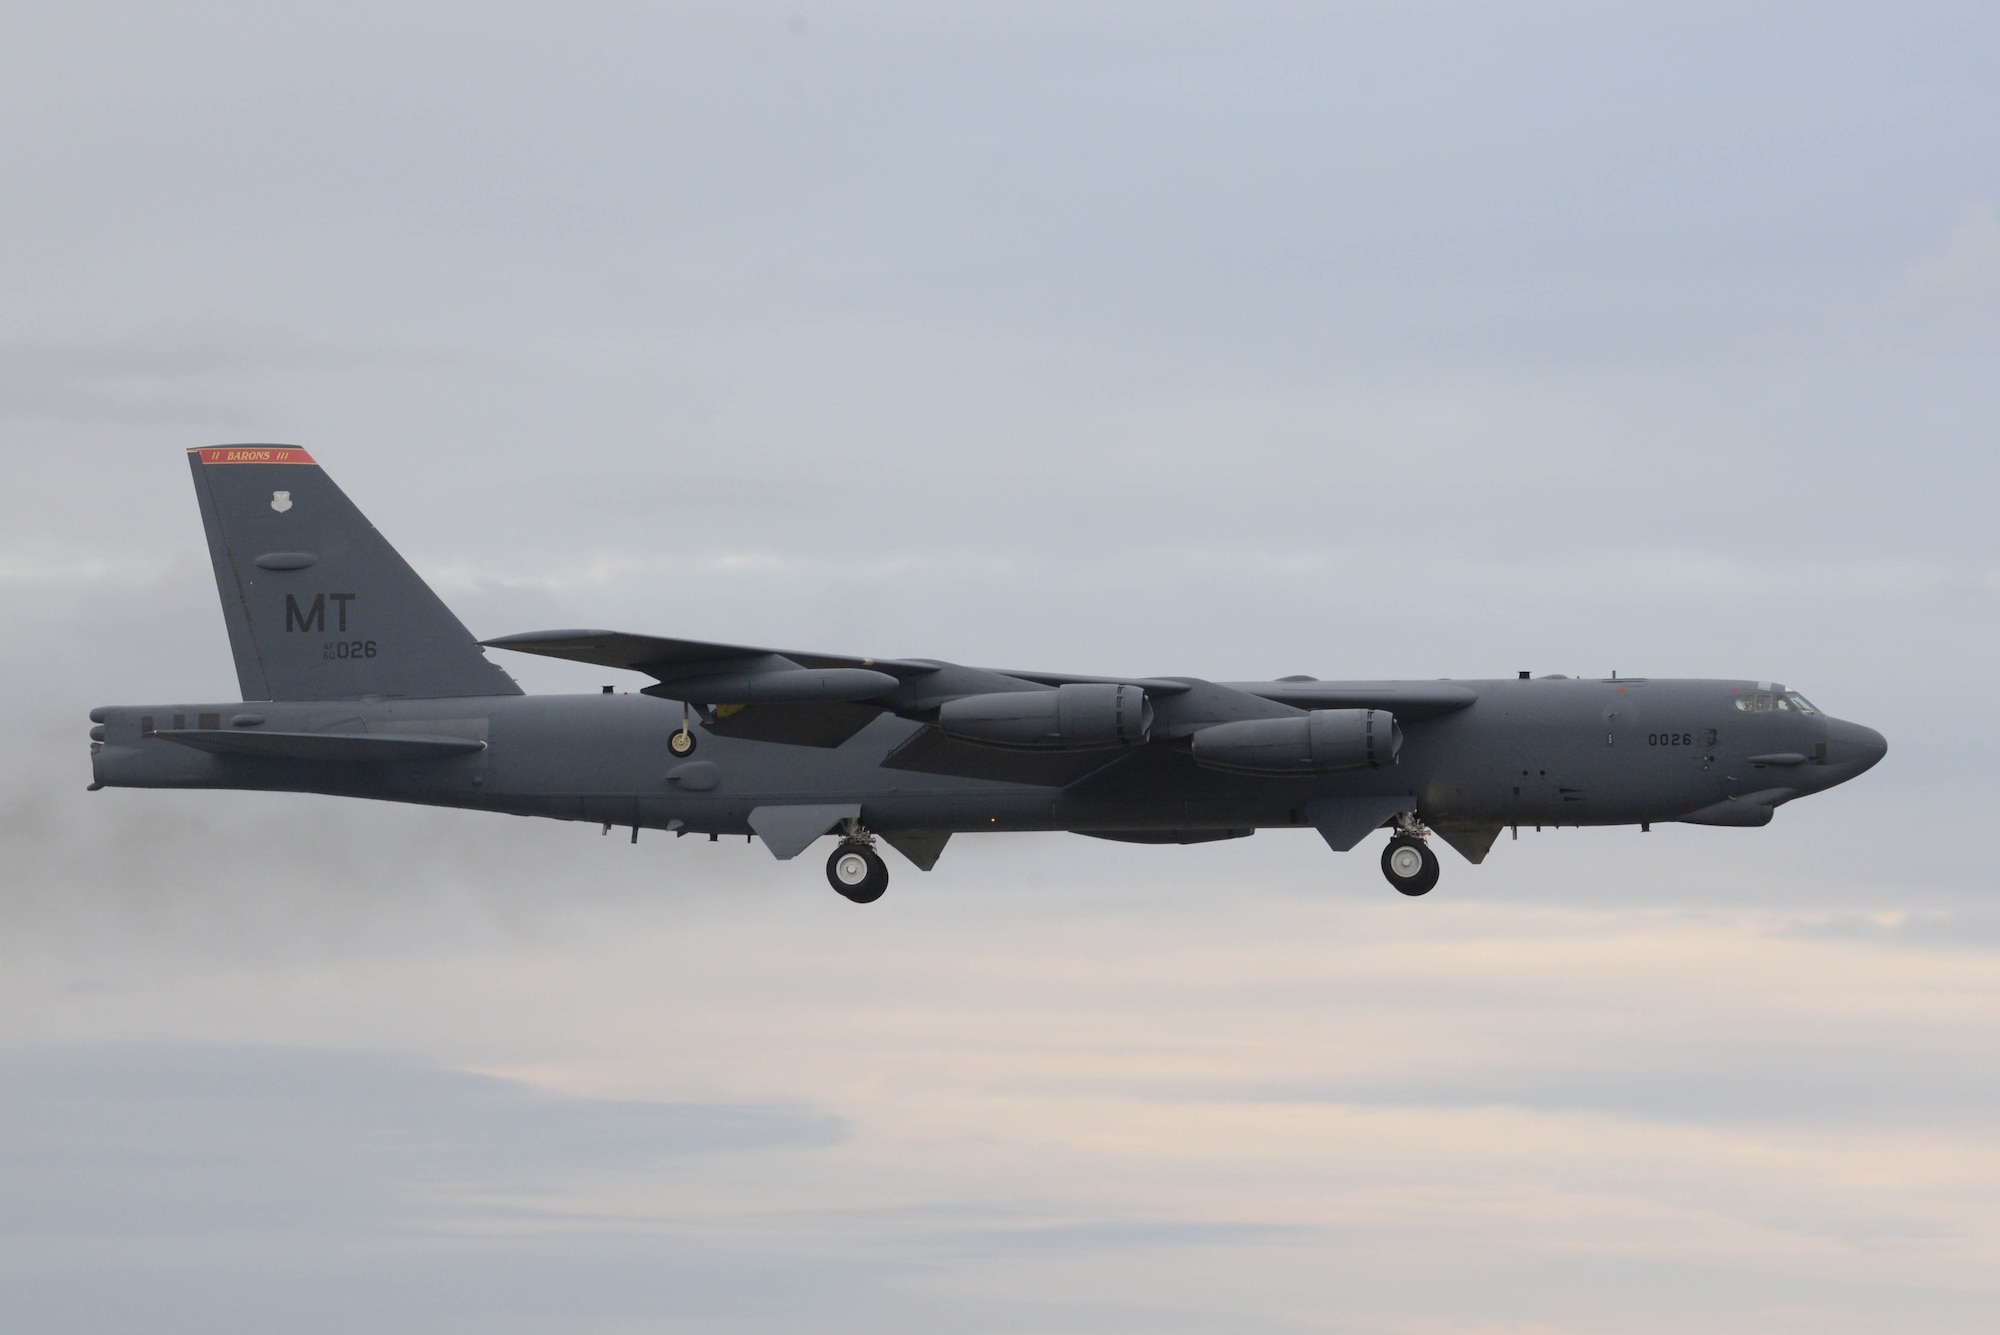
x=1376 y=340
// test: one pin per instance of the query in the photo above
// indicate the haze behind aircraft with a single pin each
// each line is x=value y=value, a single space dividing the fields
x=358 y=681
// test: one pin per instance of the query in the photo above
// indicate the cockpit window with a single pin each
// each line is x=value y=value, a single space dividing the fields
x=1766 y=702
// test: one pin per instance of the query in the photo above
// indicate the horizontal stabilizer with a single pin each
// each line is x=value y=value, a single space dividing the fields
x=356 y=747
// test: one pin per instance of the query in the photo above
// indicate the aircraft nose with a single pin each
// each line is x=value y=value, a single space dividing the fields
x=1853 y=747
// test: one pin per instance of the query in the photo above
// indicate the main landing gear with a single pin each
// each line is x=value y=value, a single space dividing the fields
x=856 y=870
x=1408 y=861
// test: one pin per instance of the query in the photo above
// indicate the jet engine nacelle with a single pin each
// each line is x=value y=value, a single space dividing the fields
x=1313 y=743
x=1075 y=717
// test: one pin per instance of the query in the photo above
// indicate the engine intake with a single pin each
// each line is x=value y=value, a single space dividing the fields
x=1077 y=717
x=1313 y=743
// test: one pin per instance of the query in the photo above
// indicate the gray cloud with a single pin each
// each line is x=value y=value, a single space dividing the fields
x=1812 y=1082
x=175 y=373
x=186 y=1141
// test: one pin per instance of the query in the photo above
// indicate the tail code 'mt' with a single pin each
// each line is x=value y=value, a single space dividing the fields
x=319 y=606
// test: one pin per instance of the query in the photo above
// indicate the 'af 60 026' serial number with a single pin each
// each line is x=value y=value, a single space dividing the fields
x=1670 y=739
x=350 y=649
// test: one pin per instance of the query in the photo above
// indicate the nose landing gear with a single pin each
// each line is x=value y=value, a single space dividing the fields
x=855 y=869
x=1408 y=862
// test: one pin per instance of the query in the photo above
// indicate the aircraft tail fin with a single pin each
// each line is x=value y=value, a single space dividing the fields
x=319 y=606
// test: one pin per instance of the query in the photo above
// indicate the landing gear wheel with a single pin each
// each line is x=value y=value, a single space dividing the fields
x=1410 y=865
x=681 y=743
x=857 y=873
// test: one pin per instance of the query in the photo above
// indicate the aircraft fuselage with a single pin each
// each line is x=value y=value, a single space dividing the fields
x=358 y=681
x=1543 y=751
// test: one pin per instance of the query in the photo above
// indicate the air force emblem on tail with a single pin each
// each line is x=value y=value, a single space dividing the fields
x=281 y=501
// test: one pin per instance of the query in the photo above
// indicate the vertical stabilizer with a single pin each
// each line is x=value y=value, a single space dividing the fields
x=319 y=606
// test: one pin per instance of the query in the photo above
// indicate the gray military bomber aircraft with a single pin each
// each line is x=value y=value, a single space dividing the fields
x=357 y=681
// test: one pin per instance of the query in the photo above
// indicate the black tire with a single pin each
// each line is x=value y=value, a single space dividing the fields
x=681 y=744
x=857 y=873
x=1411 y=876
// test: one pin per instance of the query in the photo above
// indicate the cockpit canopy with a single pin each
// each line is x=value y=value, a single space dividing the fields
x=1774 y=700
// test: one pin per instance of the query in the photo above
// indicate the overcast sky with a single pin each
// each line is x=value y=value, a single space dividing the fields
x=1354 y=340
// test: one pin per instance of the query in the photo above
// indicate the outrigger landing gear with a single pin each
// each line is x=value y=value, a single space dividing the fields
x=1408 y=861
x=856 y=870
x=682 y=742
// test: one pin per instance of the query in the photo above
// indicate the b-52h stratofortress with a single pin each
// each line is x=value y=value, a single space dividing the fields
x=358 y=682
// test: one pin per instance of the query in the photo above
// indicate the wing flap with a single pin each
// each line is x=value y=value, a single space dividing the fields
x=668 y=658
